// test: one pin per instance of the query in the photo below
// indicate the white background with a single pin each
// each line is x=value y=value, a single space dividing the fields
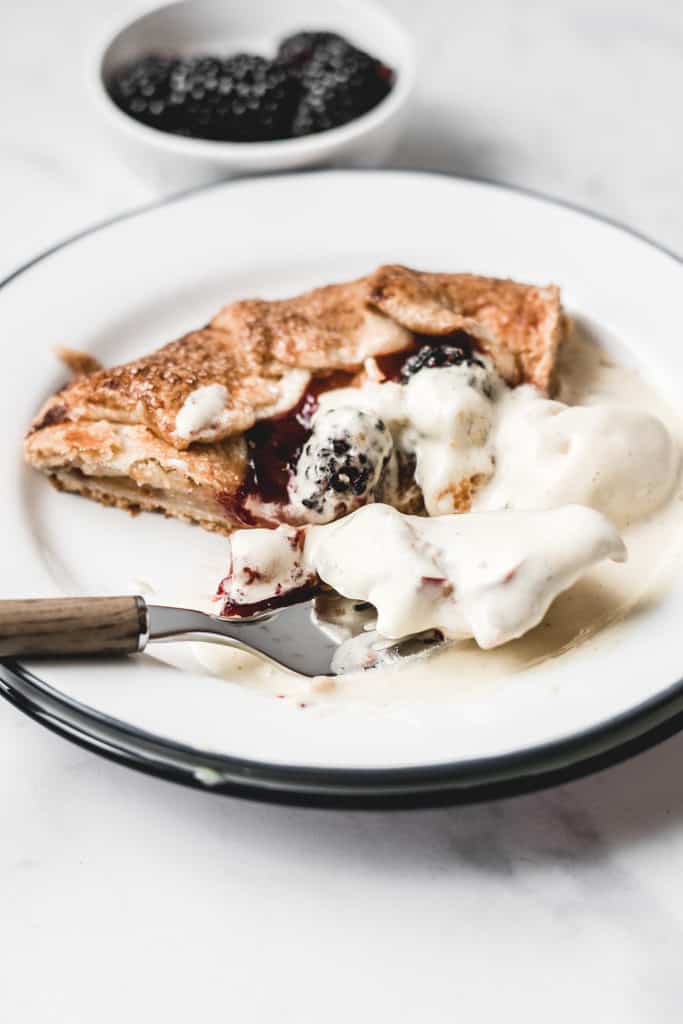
x=122 y=897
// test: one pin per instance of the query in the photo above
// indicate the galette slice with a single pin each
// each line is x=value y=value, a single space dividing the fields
x=210 y=427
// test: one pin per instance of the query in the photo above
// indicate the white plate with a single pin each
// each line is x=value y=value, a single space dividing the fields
x=134 y=284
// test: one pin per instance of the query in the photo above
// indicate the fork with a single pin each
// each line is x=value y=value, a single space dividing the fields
x=295 y=638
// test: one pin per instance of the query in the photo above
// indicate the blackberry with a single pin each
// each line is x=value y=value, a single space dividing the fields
x=295 y=51
x=244 y=98
x=142 y=89
x=453 y=350
x=339 y=81
x=341 y=464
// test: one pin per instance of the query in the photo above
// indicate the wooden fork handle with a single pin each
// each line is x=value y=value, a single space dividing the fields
x=72 y=625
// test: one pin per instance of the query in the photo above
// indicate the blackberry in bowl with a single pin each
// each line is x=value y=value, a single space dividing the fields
x=339 y=82
x=201 y=88
x=243 y=98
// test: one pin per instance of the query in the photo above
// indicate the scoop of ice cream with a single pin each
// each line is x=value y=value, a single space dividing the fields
x=621 y=461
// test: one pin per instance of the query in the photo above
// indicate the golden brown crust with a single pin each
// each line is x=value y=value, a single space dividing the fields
x=415 y=300
x=121 y=423
x=151 y=390
x=253 y=347
x=329 y=328
x=526 y=320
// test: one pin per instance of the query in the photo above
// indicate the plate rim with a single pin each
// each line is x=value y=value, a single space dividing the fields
x=449 y=783
x=452 y=782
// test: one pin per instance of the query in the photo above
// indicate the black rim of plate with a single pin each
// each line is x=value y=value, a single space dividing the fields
x=470 y=781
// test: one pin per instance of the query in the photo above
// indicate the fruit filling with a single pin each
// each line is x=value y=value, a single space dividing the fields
x=330 y=454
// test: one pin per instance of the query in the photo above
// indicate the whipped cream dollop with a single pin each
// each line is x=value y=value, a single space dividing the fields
x=202 y=408
x=491 y=576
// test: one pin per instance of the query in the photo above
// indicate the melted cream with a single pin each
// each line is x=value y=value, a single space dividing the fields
x=202 y=408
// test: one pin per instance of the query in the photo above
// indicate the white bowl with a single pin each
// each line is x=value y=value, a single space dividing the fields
x=230 y=26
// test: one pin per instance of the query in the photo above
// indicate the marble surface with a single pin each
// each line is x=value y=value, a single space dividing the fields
x=123 y=897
